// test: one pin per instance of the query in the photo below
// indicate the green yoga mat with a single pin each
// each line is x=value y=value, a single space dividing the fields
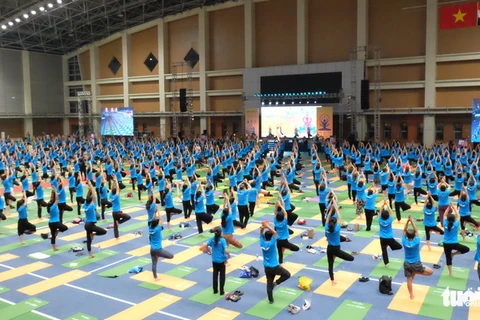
x=323 y=263
x=262 y=213
x=3 y=290
x=246 y=241
x=199 y=238
x=457 y=282
x=84 y=261
x=132 y=226
x=363 y=233
x=62 y=249
x=394 y=266
x=179 y=272
x=352 y=310
x=31 y=316
x=17 y=245
x=433 y=307
x=124 y=268
x=12 y=312
x=470 y=242
x=288 y=253
x=81 y=316
x=208 y=297
x=4 y=232
x=283 y=297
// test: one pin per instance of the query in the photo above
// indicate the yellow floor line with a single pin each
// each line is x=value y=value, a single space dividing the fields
x=344 y=280
x=402 y=302
x=7 y=257
x=220 y=314
x=54 y=282
x=147 y=307
x=23 y=270
x=184 y=256
x=431 y=256
x=166 y=281
x=113 y=242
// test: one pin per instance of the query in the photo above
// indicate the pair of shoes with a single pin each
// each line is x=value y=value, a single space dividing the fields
x=436 y=266
x=350 y=229
x=354 y=253
x=312 y=251
x=293 y=309
x=364 y=279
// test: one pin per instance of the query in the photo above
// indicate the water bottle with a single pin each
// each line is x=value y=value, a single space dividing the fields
x=441 y=262
x=258 y=258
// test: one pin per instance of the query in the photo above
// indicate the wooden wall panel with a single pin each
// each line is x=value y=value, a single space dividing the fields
x=183 y=83
x=142 y=43
x=106 y=54
x=458 y=40
x=408 y=98
x=47 y=126
x=145 y=105
x=226 y=83
x=458 y=70
x=412 y=72
x=332 y=30
x=195 y=104
x=12 y=127
x=400 y=33
x=276 y=33
x=182 y=35
x=227 y=39
x=449 y=122
x=148 y=124
x=84 y=59
x=145 y=87
x=226 y=103
x=111 y=88
x=111 y=104
x=456 y=97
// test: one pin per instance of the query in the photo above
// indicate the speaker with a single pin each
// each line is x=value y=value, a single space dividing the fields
x=365 y=95
x=183 y=100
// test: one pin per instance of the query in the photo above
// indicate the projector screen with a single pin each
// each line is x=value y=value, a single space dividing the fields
x=475 y=121
x=286 y=121
x=117 y=122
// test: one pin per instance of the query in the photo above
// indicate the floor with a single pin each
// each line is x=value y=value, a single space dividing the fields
x=36 y=283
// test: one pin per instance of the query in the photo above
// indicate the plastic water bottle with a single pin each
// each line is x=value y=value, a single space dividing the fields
x=441 y=262
x=258 y=257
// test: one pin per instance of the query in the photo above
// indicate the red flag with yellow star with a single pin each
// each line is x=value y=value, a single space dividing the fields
x=458 y=16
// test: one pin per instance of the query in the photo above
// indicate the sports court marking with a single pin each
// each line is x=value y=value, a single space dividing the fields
x=219 y=313
x=373 y=248
x=344 y=280
x=54 y=282
x=184 y=256
x=23 y=270
x=402 y=302
x=166 y=281
x=431 y=256
x=7 y=257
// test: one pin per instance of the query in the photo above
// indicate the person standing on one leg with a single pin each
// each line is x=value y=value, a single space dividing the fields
x=477 y=254
x=55 y=224
x=464 y=209
x=412 y=265
x=217 y=247
x=268 y=243
x=400 y=198
x=118 y=216
x=370 y=198
x=281 y=226
x=386 y=232
x=23 y=224
x=429 y=219
x=169 y=206
x=450 y=239
x=91 y=219
x=156 y=249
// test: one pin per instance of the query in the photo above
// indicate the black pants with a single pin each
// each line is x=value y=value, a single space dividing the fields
x=53 y=230
x=401 y=205
x=219 y=272
x=212 y=208
x=202 y=217
x=270 y=274
x=349 y=188
x=8 y=196
x=435 y=229
x=354 y=195
x=170 y=211
x=29 y=193
x=238 y=224
x=187 y=209
x=90 y=228
x=292 y=217
x=134 y=180
x=2 y=216
x=322 y=207
x=251 y=208
x=162 y=198
x=105 y=204
x=335 y=252
x=468 y=219
x=80 y=201
x=41 y=203
x=449 y=247
x=119 y=217
x=388 y=242
x=369 y=216
x=244 y=215
x=63 y=207
x=98 y=196
x=155 y=254
x=72 y=192
x=23 y=225
x=284 y=244
x=140 y=188
x=418 y=191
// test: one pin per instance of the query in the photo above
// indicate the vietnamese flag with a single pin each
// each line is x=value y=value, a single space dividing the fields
x=458 y=16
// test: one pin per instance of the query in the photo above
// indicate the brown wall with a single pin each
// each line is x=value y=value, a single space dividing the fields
x=142 y=43
x=150 y=124
x=276 y=33
x=412 y=72
x=227 y=39
x=12 y=127
x=183 y=83
x=458 y=70
x=456 y=97
x=408 y=98
x=145 y=105
x=400 y=33
x=145 y=87
x=84 y=59
x=111 y=88
x=195 y=104
x=448 y=125
x=332 y=30
x=47 y=126
x=182 y=35
x=111 y=104
x=230 y=103
x=458 y=40
x=106 y=54
x=226 y=83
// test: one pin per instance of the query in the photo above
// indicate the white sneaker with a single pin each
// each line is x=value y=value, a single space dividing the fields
x=306 y=305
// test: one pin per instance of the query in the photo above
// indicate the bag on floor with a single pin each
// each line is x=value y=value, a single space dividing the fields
x=245 y=274
x=77 y=220
x=254 y=271
x=129 y=195
x=304 y=282
x=385 y=285
x=136 y=269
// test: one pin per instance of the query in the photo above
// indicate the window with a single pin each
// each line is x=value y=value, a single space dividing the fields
x=387 y=131
x=439 y=131
x=74 y=106
x=74 y=73
x=371 y=131
x=404 y=131
x=72 y=91
x=213 y=129
x=457 y=131
x=420 y=133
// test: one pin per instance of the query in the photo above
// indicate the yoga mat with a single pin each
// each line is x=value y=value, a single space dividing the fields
x=128 y=227
x=147 y=307
x=7 y=257
x=474 y=312
x=433 y=307
x=402 y=302
x=249 y=228
x=84 y=261
x=432 y=256
x=164 y=281
x=470 y=242
x=323 y=262
x=21 y=308
x=352 y=310
x=23 y=270
x=179 y=272
x=236 y=262
x=246 y=242
x=184 y=256
x=31 y=316
x=288 y=253
x=373 y=248
x=208 y=297
x=363 y=233
x=16 y=245
x=283 y=297
x=61 y=249
x=54 y=282
x=344 y=280
x=81 y=316
x=150 y=286
x=456 y=282
x=113 y=242
x=124 y=268
x=3 y=290
x=394 y=266
x=197 y=239
x=220 y=313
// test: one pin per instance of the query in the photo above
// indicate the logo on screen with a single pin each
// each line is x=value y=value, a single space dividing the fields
x=324 y=122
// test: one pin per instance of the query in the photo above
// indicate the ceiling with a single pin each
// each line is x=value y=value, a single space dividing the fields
x=62 y=26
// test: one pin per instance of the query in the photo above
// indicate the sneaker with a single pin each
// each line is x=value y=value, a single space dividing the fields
x=306 y=305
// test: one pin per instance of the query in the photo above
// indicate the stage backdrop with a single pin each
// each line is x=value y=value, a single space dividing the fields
x=475 y=134
x=252 y=121
x=325 y=122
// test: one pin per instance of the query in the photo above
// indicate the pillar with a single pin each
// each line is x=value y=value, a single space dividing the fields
x=204 y=54
x=249 y=33
x=27 y=94
x=302 y=31
x=430 y=71
x=162 y=70
x=362 y=41
x=126 y=69
x=94 y=74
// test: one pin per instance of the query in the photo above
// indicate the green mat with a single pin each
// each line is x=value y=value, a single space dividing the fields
x=150 y=286
x=177 y=229
x=433 y=307
x=81 y=316
x=457 y=282
x=288 y=253
x=363 y=233
x=394 y=266
x=179 y=272
x=17 y=244
x=352 y=310
x=199 y=238
x=261 y=213
x=124 y=268
x=14 y=311
x=61 y=249
x=470 y=242
x=246 y=241
x=208 y=297
x=31 y=316
x=132 y=226
x=3 y=290
x=323 y=263
x=283 y=297
x=84 y=261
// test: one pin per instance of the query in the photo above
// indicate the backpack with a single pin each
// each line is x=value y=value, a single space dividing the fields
x=254 y=271
x=385 y=285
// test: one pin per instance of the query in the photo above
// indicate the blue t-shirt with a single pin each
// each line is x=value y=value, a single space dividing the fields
x=412 y=249
x=464 y=207
x=210 y=197
x=151 y=211
x=252 y=195
x=2 y=203
x=429 y=216
x=386 y=231
x=322 y=195
x=155 y=237
x=360 y=192
x=218 y=249
x=333 y=237
x=90 y=212
x=169 y=200
x=477 y=254
x=451 y=236
x=22 y=212
x=282 y=229
x=115 y=199
x=229 y=227
x=443 y=199
x=370 y=201
x=242 y=197
x=400 y=194
x=62 y=196
x=199 y=204
x=186 y=194
x=269 y=250
x=54 y=213
x=39 y=191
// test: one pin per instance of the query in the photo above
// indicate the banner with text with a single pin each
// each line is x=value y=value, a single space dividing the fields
x=325 y=122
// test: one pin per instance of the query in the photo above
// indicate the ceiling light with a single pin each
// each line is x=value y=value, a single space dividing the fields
x=17 y=20
x=33 y=12
x=59 y=1
x=25 y=16
x=10 y=23
x=4 y=27
x=50 y=5
x=41 y=9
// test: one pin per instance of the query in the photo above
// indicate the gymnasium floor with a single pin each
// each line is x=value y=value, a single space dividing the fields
x=66 y=286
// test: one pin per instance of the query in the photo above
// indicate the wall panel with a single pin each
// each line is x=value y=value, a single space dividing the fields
x=183 y=83
x=182 y=35
x=106 y=54
x=411 y=72
x=226 y=83
x=46 y=78
x=110 y=88
x=84 y=59
x=458 y=70
x=12 y=127
x=144 y=87
x=408 y=98
x=142 y=44
x=148 y=124
x=11 y=82
x=111 y=104
x=47 y=126
x=226 y=103
x=456 y=97
x=145 y=105
x=458 y=40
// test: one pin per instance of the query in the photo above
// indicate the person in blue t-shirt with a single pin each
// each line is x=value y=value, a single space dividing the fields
x=417 y=184
x=281 y=226
x=62 y=198
x=323 y=193
x=228 y=222
x=360 y=196
x=332 y=231
x=169 y=205
x=429 y=220
x=156 y=248
x=252 y=197
x=464 y=209
x=370 y=198
x=2 y=208
x=186 y=201
x=23 y=225
x=54 y=223
x=212 y=207
x=217 y=247
x=477 y=254
x=443 y=199
x=386 y=232
x=118 y=216
x=200 y=213
x=91 y=219
x=412 y=264
x=242 y=194
x=268 y=243
x=400 y=197
x=450 y=239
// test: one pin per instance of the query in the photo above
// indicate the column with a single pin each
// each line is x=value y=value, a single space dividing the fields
x=249 y=34
x=362 y=41
x=302 y=31
x=162 y=69
x=126 y=70
x=66 y=106
x=204 y=54
x=27 y=94
x=94 y=74
x=430 y=71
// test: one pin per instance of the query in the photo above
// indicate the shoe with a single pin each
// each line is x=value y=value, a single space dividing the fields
x=271 y=301
x=238 y=293
x=306 y=305
x=312 y=251
x=354 y=253
x=364 y=279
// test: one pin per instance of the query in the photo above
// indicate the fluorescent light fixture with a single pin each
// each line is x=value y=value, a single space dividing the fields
x=25 y=16
x=59 y=1
x=17 y=20
x=4 y=27
x=41 y=9
x=10 y=23
x=50 y=5
x=33 y=12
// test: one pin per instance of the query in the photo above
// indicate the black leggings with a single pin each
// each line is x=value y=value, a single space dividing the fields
x=284 y=244
x=335 y=251
x=388 y=242
x=212 y=208
x=54 y=228
x=162 y=197
x=270 y=274
x=119 y=217
x=244 y=215
x=449 y=247
x=369 y=216
x=90 y=228
x=434 y=229
x=218 y=271
x=8 y=196
x=418 y=191
x=469 y=219
x=202 y=217
x=155 y=254
x=170 y=211
x=2 y=215
x=140 y=188
x=105 y=204
x=72 y=192
x=187 y=209
x=63 y=207
x=23 y=225
x=80 y=201
x=322 y=207
x=404 y=206
x=251 y=208
x=41 y=203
